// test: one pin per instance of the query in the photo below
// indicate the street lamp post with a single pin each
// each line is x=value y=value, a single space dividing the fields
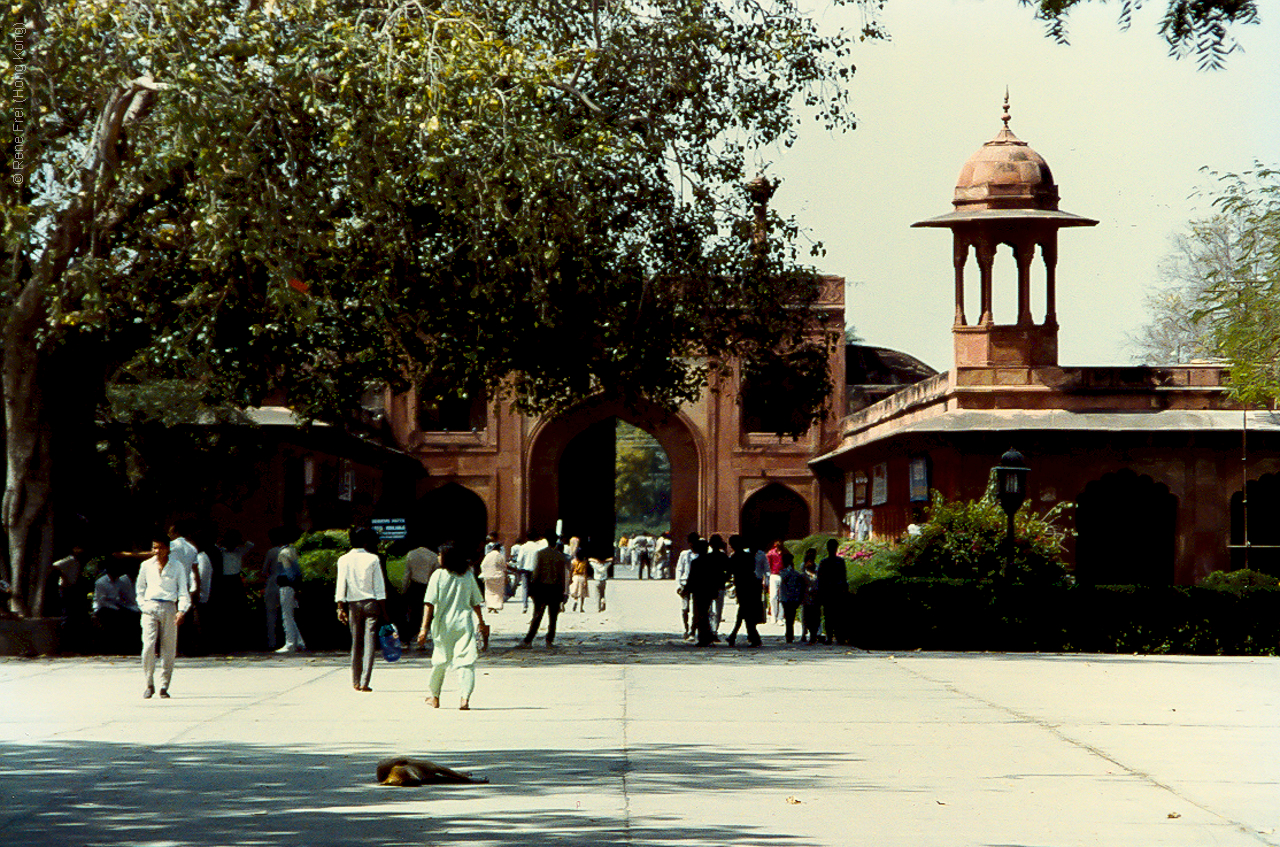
x=1011 y=489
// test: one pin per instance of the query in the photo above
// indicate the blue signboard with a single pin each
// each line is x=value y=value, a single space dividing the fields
x=390 y=529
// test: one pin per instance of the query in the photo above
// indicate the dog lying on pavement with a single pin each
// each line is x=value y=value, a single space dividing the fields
x=408 y=773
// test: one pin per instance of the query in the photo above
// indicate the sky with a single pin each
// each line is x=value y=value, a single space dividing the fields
x=1125 y=129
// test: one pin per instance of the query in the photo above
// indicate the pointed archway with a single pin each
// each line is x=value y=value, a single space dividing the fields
x=451 y=512
x=774 y=513
x=1264 y=533
x=1126 y=529
x=567 y=468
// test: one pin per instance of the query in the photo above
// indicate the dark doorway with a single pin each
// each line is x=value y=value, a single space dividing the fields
x=774 y=512
x=450 y=513
x=586 y=486
x=1264 y=530
x=1126 y=531
x=615 y=479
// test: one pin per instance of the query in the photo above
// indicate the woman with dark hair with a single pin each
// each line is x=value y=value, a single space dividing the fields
x=452 y=607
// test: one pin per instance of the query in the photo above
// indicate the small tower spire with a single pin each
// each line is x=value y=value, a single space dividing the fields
x=1006 y=109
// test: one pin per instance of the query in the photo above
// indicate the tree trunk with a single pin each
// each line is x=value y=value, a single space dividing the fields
x=27 y=512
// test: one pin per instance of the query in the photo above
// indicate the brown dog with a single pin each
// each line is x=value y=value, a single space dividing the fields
x=407 y=772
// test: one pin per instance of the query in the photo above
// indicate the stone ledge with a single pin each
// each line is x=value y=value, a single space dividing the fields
x=29 y=636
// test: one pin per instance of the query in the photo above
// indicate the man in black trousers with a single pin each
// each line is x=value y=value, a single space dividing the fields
x=833 y=593
x=548 y=589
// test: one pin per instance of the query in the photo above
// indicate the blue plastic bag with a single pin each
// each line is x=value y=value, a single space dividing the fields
x=390 y=641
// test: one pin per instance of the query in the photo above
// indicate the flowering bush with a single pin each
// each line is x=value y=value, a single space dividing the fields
x=966 y=540
x=868 y=561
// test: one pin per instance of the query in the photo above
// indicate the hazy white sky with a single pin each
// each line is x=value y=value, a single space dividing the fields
x=1125 y=129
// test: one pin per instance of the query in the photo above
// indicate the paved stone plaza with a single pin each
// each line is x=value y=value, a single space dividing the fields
x=625 y=735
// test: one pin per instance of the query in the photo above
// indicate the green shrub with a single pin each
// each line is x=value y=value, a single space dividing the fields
x=1238 y=579
x=941 y=614
x=324 y=539
x=966 y=540
x=868 y=561
x=817 y=541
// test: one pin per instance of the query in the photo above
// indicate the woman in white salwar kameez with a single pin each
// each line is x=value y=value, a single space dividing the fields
x=493 y=571
x=451 y=609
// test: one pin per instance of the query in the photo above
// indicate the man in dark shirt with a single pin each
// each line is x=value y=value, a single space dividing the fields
x=833 y=592
x=746 y=585
x=707 y=570
x=548 y=589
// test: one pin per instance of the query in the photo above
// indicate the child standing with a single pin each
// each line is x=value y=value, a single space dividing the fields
x=578 y=580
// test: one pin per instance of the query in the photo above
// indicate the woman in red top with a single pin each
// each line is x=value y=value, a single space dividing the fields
x=775 y=579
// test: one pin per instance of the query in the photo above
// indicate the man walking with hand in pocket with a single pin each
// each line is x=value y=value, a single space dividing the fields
x=164 y=596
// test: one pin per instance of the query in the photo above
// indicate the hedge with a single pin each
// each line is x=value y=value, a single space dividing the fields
x=972 y=615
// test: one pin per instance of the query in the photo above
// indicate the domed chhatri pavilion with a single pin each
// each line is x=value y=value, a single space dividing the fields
x=1151 y=456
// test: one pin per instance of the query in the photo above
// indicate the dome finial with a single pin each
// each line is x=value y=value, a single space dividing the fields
x=1006 y=109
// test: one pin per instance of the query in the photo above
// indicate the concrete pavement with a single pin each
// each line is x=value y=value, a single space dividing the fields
x=624 y=735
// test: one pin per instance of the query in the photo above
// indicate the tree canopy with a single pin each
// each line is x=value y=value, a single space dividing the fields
x=1200 y=28
x=1240 y=305
x=1206 y=250
x=320 y=196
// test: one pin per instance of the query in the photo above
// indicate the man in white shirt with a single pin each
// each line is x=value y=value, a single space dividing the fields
x=361 y=595
x=164 y=596
x=183 y=553
x=115 y=609
x=526 y=560
x=682 y=582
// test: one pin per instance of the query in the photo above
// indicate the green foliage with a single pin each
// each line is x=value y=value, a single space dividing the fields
x=1239 y=580
x=1201 y=28
x=966 y=540
x=865 y=561
x=324 y=539
x=642 y=482
x=318 y=554
x=818 y=541
x=869 y=561
x=1241 y=302
x=320 y=195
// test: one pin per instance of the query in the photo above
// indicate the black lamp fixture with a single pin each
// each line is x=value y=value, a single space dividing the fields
x=1011 y=481
x=1011 y=490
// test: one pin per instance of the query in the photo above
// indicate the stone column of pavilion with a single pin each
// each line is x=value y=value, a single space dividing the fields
x=1006 y=195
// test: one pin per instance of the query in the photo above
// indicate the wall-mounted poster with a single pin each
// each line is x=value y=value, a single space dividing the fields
x=880 y=484
x=346 y=480
x=860 y=489
x=919 y=479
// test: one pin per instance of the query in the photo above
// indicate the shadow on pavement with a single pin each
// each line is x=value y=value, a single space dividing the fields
x=231 y=794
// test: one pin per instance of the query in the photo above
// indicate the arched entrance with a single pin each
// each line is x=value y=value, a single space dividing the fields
x=571 y=469
x=451 y=512
x=1264 y=530
x=1126 y=531
x=772 y=513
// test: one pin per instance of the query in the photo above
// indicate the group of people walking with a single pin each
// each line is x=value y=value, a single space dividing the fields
x=445 y=595
x=708 y=568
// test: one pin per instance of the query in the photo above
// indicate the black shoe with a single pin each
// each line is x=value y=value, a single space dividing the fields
x=146 y=695
x=164 y=694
